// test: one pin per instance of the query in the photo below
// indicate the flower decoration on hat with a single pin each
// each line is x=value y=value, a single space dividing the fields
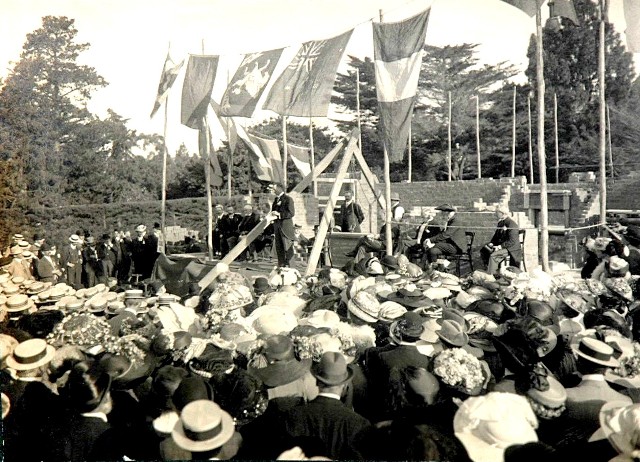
x=461 y=370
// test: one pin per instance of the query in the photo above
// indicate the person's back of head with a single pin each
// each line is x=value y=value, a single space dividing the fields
x=530 y=452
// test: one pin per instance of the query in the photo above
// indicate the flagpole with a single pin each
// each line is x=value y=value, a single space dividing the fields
x=409 y=151
x=530 y=139
x=165 y=151
x=449 y=139
x=284 y=151
x=313 y=157
x=555 y=133
x=513 y=135
x=387 y=194
x=358 y=108
x=603 y=153
x=542 y=163
x=609 y=138
x=478 y=134
x=230 y=158
x=207 y=172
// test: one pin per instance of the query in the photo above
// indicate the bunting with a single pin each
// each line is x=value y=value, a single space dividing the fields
x=398 y=56
x=248 y=83
x=169 y=74
x=196 y=90
x=301 y=158
x=305 y=86
x=632 y=16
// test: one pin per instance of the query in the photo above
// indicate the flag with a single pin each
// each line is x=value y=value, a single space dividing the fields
x=528 y=6
x=301 y=158
x=169 y=74
x=397 y=49
x=248 y=83
x=260 y=163
x=565 y=9
x=271 y=152
x=228 y=125
x=632 y=16
x=196 y=90
x=304 y=88
x=215 y=172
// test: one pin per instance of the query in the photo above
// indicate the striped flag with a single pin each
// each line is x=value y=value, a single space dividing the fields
x=260 y=162
x=271 y=152
x=528 y=6
x=632 y=16
x=196 y=90
x=398 y=56
x=248 y=83
x=304 y=88
x=301 y=158
x=169 y=74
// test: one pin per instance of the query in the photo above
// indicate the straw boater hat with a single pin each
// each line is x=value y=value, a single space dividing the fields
x=74 y=239
x=131 y=294
x=19 y=302
x=141 y=228
x=619 y=422
x=203 y=426
x=30 y=354
x=596 y=352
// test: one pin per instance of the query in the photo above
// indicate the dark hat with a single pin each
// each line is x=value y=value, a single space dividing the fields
x=332 y=369
x=44 y=247
x=106 y=236
x=261 y=285
x=390 y=262
x=407 y=328
x=453 y=333
x=410 y=298
x=87 y=386
x=280 y=365
x=446 y=208
x=167 y=380
x=191 y=389
x=395 y=196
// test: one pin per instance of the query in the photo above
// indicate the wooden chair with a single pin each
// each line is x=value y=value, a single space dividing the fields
x=467 y=255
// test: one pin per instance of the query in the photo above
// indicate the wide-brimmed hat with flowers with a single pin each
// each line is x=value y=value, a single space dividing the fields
x=230 y=297
x=364 y=306
x=410 y=297
x=273 y=361
x=619 y=424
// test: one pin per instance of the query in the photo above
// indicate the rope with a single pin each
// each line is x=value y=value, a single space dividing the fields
x=566 y=229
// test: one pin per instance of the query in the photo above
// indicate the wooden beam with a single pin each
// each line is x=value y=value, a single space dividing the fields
x=328 y=211
x=369 y=176
x=320 y=168
x=234 y=253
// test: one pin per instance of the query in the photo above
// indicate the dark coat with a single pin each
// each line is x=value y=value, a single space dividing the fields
x=352 y=217
x=454 y=234
x=44 y=269
x=329 y=422
x=507 y=236
x=283 y=226
x=69 y=255
x=248 y=222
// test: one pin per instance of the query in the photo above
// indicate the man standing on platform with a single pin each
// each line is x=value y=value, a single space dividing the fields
x=282 y=213
x=351 y=214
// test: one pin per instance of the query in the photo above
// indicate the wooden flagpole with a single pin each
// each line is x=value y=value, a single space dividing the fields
x=478 y=135
x=609 y=138
x=285 y=154
x=230 y=162
x=165 y=153
x=313 y=155
x=449 y=138
x=387 y=194
x=207 y=171
x=513 y=135
x=542 y=163
x=530 y=140
x=555 y=134
x=603 y=103
x=409 y=151
x=358 y=115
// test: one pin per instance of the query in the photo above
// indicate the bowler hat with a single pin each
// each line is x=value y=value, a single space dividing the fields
x=453 y=333
x=332 y=369
x=446 y=208
x=395 y=196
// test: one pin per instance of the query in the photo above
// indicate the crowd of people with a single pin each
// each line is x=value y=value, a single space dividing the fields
x=84 y=261
x=382 y=361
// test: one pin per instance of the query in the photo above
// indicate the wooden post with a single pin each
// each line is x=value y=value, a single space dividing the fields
x=358 y=115
x=285 y=154
x=542 y=164
x=513 y=135
x=165 y=151
x=601 y=88
x=328 y=211
x=477 y=97
x=313 y=156
x=322 y=165
x=555 y=132
x=409 y=152
x=230 y=161
x=387 y=194
x=207 y=169
x=530 y=140
x=609 y=138
x=449 y=139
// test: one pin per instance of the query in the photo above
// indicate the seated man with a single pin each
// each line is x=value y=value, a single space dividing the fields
x=448 y=238
x=416 y=246
x=505 y=243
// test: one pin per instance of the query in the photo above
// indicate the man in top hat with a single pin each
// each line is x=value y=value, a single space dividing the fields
x=505 y=243
x=584 y=401
x=281 y=215
x=449 y=238
x=326 y=421
x=351 y=214
x=91 y=261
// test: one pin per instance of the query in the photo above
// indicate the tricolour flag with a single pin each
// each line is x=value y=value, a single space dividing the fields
x=304 y=88
x=259 y=162
x=248 y=83
x=215 y=171
x=528 y=6
x=169 y=74
x=632 y=17
x=196 y=90
x=301 y=158
x=271 y=152
x=397 y=50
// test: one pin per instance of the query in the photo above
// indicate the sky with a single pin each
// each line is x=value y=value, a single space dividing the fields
x=130 y=38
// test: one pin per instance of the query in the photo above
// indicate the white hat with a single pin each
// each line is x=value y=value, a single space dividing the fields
x=203 y=426
x=141 y=228
x=74 y=239
x=30 y=354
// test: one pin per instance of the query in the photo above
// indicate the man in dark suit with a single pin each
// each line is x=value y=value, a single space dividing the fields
x=351 y=214
x=47 y=268
x=107 y=257
x=282 y=213
x=325 y=421
x=250 y=220
x=91 y=261
x=449 y=238
x=504 y=244
x=230 y=224
x=71 y=261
